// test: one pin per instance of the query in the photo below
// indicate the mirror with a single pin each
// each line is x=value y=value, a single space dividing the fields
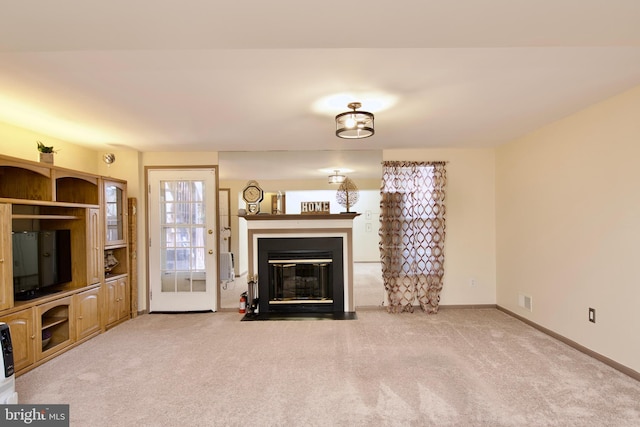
x=288 y=171
x=298 y=165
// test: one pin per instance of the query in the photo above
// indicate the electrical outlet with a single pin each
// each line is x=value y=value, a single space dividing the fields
x=592 y=315
x=472 y=282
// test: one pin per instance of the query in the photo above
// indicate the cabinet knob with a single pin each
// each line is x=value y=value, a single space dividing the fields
x=33 y=337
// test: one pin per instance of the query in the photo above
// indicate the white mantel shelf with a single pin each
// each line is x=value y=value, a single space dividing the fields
x=282 y=217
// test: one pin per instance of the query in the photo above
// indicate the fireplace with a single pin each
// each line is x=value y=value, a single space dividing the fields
x=300 y=275
x=311 y=264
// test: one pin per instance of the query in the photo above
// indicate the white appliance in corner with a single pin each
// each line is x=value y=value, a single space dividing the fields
x=227 y=273
x=8 y=393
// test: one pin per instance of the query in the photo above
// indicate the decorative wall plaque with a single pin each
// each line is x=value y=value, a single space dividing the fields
x=307 y=208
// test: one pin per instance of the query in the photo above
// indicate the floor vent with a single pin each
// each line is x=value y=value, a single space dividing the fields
x=525 y=302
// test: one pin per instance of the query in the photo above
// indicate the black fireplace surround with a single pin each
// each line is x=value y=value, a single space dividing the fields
x=300 y=275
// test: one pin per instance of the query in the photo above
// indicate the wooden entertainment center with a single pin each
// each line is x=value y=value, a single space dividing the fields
x=39 y=196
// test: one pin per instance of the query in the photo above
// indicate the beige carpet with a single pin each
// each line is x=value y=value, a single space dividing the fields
x=462 y=367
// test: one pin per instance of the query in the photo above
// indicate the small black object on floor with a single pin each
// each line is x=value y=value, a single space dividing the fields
x=300 y=316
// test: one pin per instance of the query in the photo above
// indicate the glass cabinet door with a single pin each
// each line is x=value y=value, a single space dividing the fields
x=115 y=225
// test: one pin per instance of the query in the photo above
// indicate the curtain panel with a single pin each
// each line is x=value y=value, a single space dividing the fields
x=412 y=234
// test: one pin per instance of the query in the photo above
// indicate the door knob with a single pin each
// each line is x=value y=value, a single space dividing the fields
x=210 y=251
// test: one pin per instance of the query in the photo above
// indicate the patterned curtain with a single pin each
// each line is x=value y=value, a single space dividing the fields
x=412 y=230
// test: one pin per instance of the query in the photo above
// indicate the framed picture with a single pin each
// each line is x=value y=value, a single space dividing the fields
x=275 y=209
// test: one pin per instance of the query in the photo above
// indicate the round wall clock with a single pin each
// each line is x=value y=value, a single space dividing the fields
x=253 y=195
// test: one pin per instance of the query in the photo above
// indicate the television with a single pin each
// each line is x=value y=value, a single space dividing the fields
x=41 y=259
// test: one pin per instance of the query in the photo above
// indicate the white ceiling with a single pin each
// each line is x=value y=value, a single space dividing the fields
x=204 y=75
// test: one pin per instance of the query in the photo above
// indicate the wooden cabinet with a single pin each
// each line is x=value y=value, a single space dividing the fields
x=6 y=279
x=55 y=327
x=115 y=211
x=34 y=197
x=95 y=269
x=116 y=253
x=43 y=330
x=117 y=300
x=22 y=326
x=87 y=310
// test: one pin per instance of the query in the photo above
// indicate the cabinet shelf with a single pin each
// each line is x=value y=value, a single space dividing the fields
x=35 y=216
x=46 y=203
x=48 y=322
x=55 y=326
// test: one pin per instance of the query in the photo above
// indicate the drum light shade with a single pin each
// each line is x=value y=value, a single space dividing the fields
x=354 y=124
x=337 y=178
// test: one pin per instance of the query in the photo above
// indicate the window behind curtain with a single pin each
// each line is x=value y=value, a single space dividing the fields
x=412 y=231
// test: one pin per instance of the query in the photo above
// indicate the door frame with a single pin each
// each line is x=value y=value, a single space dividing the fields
x=224 y=207
x=147 y=231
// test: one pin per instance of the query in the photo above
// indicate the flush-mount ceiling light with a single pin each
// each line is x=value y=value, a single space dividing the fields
x=354 y=124
x=336 y=178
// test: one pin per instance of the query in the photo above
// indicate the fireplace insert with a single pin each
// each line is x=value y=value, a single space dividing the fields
x=303 y=275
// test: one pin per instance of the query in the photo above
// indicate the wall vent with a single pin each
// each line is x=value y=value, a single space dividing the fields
x=525 y=302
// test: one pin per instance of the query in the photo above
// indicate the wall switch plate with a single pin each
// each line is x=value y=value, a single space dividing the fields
x=592 y=315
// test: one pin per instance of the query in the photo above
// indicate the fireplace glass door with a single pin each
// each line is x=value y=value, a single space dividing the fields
x=300 y=275
x=300 y=280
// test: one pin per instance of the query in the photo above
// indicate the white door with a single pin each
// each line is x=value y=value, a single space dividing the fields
x=183 y=266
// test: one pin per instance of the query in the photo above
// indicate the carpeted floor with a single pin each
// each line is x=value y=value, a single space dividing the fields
x=461 y=367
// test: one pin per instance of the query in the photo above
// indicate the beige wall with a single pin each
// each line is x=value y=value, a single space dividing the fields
x=22 y=143
x=470 y=228
x=568 y=226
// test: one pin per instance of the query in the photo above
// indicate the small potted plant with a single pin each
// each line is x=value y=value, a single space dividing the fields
x=46 y=153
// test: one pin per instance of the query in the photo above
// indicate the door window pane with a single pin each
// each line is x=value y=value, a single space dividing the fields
x=183 y=236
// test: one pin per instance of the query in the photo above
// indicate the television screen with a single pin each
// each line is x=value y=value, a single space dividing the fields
x=40 y=259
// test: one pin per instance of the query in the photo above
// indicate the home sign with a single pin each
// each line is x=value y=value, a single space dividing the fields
x=314 y=208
